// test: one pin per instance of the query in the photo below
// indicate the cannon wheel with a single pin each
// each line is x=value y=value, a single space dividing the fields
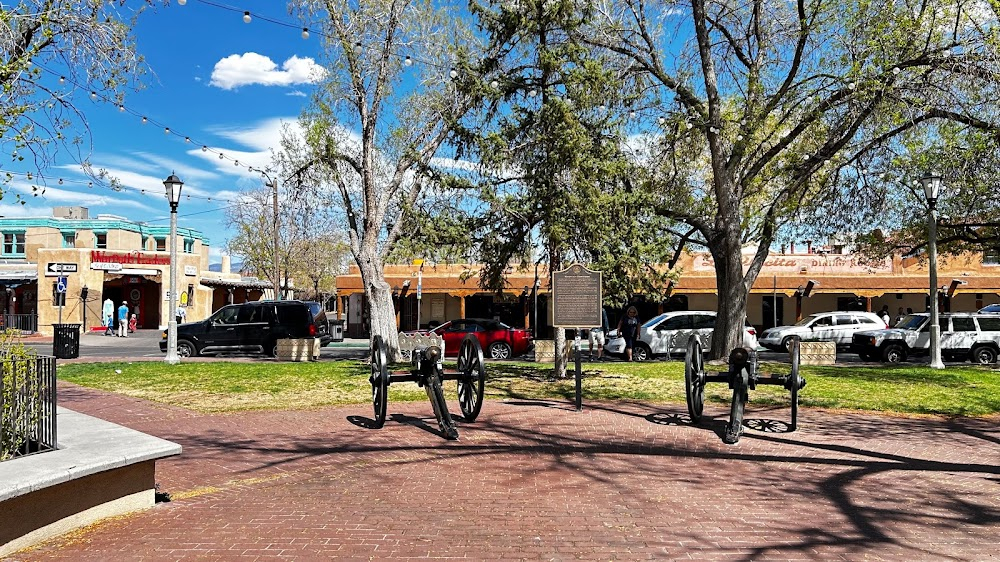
x=794 y=352
x=694 y=379
x=380 y=381
x=740 y=396
x=473 y=381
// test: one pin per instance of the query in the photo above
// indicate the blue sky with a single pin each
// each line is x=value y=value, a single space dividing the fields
x=223 y=83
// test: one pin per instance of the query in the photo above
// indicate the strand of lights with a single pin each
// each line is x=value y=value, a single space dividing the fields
x=90 y=185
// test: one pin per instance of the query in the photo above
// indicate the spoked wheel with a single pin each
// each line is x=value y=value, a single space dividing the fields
x=473 y=380
x=735 y=427
x=380 y=381
x=694 y=379
x=795 y=383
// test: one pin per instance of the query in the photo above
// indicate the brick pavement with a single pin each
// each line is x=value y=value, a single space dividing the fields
x=534 y=480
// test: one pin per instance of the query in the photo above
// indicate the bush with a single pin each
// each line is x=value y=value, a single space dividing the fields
x=20 y=394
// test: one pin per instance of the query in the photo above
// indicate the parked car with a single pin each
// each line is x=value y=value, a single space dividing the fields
x=990 y=309
x=668 y=333
x=322 y=321
x=250 y=327
x=837 y=327
x=964 y=337
x=499 y=340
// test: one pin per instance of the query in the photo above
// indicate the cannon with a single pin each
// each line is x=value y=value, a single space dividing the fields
x=427 y=371
x=742 y=377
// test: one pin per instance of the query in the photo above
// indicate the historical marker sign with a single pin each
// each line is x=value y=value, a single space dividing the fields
x=576 y=298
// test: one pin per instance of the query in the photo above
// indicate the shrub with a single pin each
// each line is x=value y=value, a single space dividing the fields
x=20 y=394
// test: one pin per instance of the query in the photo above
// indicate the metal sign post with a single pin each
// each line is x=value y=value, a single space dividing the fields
x=61 y=290
x=576 y=303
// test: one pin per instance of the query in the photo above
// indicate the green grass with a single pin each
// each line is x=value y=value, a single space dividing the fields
x=233 y=386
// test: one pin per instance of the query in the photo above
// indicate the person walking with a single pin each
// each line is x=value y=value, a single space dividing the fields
x=628 y=329
x=597 y=336
x=180 y=315
x=108 y=315
x=123 y=320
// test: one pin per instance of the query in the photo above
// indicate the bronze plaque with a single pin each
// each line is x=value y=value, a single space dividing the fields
x=576 y=298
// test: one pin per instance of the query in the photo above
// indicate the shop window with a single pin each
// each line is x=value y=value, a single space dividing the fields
x=101 y=241
x=13 y=244
x=190 y=295
x=58 y=299
x=188 y=246
x=991 y=256
x=69 y=240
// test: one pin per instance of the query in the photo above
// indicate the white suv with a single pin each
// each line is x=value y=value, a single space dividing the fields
x=668 y=333
x=969 y=336
x=837 y=327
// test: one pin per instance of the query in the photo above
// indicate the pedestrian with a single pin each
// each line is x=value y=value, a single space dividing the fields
x=884 y=315
x=108 y=315
x=133 y=323
x=628 y=329
x=899 y=317
x=123 y=320
x=597 y=335
x=135 y=312
x=180 y=314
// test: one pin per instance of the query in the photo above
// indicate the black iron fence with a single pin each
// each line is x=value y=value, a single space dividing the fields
x=27 y=405
x=25 y=323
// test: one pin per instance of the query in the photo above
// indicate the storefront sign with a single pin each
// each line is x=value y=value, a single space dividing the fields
x=190 y=270
x=106 y=266
x=831 y=264
x=137 y=257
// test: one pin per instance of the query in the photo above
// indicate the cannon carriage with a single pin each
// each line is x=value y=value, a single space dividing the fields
x=427 y=370
x=743 y=375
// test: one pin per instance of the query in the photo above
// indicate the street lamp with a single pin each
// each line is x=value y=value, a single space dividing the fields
x=932 y=186
x=173 y=184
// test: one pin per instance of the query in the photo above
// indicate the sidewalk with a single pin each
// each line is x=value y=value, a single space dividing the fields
x=535 y=480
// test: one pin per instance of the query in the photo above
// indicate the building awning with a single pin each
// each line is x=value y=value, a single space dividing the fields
x=21 y=275
x=236 y=283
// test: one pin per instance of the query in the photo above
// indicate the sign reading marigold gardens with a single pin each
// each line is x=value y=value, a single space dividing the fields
x=99 y=256
x=812 y=263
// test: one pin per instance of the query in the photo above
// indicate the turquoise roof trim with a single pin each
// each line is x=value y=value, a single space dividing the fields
x=97 y=225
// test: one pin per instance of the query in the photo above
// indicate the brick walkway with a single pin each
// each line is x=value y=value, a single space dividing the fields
x=537 y=481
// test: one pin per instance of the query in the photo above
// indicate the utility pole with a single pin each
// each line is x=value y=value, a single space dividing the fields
x=273 y=184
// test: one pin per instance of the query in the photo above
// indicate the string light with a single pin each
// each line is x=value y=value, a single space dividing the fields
x=121 y=108
x=453 y=74
x=305 y=33
x=662 y=120
x=532 y=93
x=62 y=80
x=896 y=70
x=494 y=84
x=408 y=61
x=166 y=130
x=93 y=95
x=144 y=120
x=357 y=47
x=246 y=17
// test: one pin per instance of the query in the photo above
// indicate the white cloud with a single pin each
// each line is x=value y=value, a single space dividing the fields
x=297 y=93
x=252 y=68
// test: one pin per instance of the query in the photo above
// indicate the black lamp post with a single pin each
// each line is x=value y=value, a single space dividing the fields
x=173 y=185
x=932 y=186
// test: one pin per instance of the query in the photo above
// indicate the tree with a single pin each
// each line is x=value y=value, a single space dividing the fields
x=774 y=107
x=376 y=123
x=53 y=49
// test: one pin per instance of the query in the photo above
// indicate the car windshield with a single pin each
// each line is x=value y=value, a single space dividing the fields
x=911 y=322
x=654 y=321
x=805 y=321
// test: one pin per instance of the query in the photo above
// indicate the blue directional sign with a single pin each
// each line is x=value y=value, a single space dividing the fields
x=61 y=285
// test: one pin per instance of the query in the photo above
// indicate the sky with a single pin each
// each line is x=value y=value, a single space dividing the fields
x=223 y=83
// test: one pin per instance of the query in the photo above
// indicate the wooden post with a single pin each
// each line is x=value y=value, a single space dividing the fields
x=461 y=307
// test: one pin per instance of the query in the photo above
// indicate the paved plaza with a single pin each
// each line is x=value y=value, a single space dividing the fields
x=536 y=480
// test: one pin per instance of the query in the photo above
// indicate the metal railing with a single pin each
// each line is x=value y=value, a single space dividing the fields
x=27 y=405
x=25 y=323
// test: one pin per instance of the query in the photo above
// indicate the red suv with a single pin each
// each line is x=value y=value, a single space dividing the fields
x=499 y=340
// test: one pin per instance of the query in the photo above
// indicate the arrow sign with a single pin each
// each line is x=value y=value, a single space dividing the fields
x=57 y=268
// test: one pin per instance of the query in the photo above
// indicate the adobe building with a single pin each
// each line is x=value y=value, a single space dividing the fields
x=841 y=281
x=107 y=257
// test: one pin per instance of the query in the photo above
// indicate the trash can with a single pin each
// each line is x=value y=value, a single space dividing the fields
x=66 y=341
x=337 y=330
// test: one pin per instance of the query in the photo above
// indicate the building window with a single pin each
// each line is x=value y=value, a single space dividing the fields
x=69 y=239
x=190 y=295
x=161 y=244
x=188 y=246
x=101 y=241
x=991 y=256
x=58 y=299
x=13 y=244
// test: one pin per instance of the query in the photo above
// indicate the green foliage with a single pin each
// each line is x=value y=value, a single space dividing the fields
x=20 y=396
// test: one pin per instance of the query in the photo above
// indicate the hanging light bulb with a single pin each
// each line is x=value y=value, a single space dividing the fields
x=852 y=85
x=662 y=120
x=60 y=181
x=494 y=84
x=204 y=148
x=246 y=17
x=62 y=79
x=90 y=184
x=29 y=176
x=121 y=108
x=221 y=156
x=603 y=108
x=305 y=33
x=357 y=47
x=166 y=130
x=896 y=70
x=144 y=119
x=631 y=114
x=739 y=137
x=532 y=93
x=408 y=61
x=453 y=74
x=187 y=139
x=236 y=162
x=689 y=125
x=93 y=95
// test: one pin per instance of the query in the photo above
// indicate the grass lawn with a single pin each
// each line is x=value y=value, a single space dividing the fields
x=232 y=386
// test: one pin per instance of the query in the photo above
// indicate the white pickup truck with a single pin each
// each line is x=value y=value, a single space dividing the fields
x=964 y=336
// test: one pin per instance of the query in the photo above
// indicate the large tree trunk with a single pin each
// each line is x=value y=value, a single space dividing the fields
x=558 y=334
x=381 y=316
x=729 y=325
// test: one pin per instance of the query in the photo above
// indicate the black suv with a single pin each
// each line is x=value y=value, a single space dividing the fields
x=251 y=327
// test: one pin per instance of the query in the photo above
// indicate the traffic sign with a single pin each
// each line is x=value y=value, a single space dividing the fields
x=61 y=285
x=53 y=269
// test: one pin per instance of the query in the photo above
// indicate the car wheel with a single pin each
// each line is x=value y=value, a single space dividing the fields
x=865 y=356
x=893 y=353
x=786 y=343
x=271 y=348
x=186 y=349
x=983 y=355
x=641 y=352
x=500 y=350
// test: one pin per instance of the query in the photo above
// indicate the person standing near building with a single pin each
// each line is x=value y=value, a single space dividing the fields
x=884 y=315
x=628 y=328
x=598 y=336
x=108 y=316
x=180 y=314
x=123 y=320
